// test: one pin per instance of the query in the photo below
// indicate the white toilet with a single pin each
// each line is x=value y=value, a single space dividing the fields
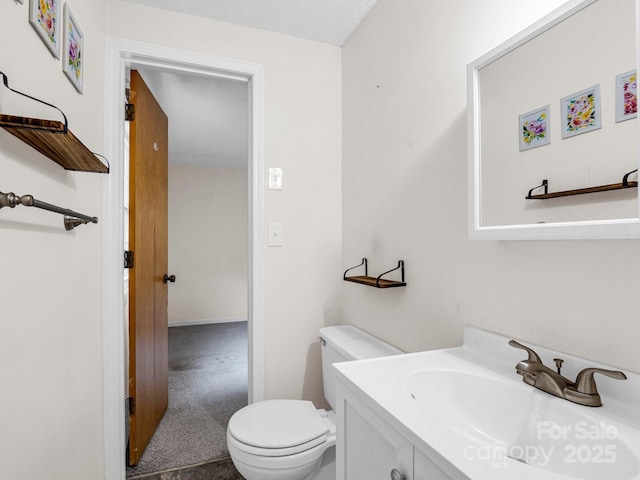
x=291 y=439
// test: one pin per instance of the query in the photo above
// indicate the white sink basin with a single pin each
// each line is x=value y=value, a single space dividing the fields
x=506 y=420
x=467 y=408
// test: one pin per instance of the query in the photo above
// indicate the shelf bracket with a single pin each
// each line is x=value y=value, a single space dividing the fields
x=364 y=262
x=625 y=179
x=5 y=81
x=400 y=266
x=545 y=184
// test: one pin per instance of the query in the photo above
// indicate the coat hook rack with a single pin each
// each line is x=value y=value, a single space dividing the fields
x=378 y=281
x=71 y=219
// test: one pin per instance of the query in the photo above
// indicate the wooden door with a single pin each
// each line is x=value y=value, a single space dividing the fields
x=148 y=329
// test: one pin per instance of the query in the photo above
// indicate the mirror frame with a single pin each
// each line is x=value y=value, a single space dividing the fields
x=623 y=228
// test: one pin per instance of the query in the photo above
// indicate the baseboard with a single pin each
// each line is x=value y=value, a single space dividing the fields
x=204 y=321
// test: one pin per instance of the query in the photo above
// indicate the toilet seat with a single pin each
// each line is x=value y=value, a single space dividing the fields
x=279 y=428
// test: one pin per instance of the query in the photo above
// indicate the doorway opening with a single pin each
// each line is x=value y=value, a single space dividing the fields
x=207 y=230
x=123 y=55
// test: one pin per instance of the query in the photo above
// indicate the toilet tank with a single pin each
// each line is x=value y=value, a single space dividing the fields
x=343 y=343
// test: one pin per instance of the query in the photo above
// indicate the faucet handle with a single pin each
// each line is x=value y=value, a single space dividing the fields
x=558 y=362
x=585 y=382
x=533 y=356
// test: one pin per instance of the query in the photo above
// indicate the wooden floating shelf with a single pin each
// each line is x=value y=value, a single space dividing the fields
x=55 y=141
x=581 y=191
x=377 y=282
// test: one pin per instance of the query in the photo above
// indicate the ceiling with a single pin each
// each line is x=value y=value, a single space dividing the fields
x=209 y=117
x=327 y=21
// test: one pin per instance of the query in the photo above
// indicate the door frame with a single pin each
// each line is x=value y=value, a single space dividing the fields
x=120 y=55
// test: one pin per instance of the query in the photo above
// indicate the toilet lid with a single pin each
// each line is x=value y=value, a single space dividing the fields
x=278 y=424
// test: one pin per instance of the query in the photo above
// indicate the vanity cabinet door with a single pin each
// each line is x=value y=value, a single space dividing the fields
x=373 y=450
x=425 y=469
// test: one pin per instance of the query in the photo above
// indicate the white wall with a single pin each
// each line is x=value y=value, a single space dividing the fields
x=405 y=197
x=208 y=243
x=50 y=286
x=302 y=136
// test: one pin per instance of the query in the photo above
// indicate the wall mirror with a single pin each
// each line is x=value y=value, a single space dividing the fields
x=553 y=133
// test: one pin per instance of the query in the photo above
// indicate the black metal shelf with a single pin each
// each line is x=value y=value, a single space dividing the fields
x=377 y=282
x=626 y=183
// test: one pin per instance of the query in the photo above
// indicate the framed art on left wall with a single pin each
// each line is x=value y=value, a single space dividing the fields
x=44 y=16
x=73 y=50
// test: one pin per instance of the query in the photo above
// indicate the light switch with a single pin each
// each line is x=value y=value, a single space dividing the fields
x=275 y=178
x=275 y=235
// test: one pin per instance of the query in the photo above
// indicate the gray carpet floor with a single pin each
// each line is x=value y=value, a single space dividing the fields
x=207 y=384
x=218 y=470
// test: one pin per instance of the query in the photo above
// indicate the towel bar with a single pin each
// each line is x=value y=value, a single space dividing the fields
x=71 y=219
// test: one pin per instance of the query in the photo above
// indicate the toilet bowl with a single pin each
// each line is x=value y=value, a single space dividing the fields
x=280 y=439
x=291 y=439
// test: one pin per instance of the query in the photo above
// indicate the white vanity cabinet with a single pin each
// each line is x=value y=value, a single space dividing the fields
x=425 y=469
x=369 y=448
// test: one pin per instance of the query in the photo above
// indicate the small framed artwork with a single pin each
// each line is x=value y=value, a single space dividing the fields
x=44 y=17
x=73 y=49
x=580 y=112
x=626 y=96
x=534 y=128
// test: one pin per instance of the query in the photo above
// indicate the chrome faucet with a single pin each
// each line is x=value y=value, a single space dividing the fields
x=583 y=391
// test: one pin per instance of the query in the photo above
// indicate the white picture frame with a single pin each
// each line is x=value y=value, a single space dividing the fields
x=626 y=96
x=73 y=50
x=44 y=17
x=535 y=128
x=581 y=112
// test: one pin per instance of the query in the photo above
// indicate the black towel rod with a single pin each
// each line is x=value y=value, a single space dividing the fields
x=71 y=219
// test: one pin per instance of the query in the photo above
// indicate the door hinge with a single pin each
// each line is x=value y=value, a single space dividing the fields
x=132 y=405
x=128 y=259
x=129 y=112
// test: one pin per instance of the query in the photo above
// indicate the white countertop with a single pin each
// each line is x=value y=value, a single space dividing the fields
x=419 y=394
